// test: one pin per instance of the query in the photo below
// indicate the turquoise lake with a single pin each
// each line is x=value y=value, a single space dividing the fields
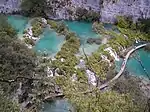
x=51 y=43
x=134 y=67
x=59 y=105
x=18 y=22
x=84 y=31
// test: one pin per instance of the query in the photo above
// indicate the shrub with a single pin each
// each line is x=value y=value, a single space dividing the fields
x=52 y=23
x=87 y=15
x=37 y=27
x=29 y=41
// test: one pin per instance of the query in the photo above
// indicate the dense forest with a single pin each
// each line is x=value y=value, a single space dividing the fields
x=23 y=73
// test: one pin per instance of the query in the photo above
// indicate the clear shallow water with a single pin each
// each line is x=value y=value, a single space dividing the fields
x=83 y=31
x=49 y=42
x=19 y=23
x=134 y=67
x=60 y=105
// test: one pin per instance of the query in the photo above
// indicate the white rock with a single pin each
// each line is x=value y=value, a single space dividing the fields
x=112 y=53
x=62 y=59
x=74 y=77
x=91 y=77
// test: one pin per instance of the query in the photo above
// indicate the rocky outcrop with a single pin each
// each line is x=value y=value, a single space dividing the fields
x=65 y=9
x=9 y=6
x=97 y=41
x=134 y=8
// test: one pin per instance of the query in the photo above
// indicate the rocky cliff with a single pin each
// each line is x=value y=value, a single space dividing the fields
x=9 y=6
x=65 y=9
x=134 y=8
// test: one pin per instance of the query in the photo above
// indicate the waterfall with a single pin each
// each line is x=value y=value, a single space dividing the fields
x=112 y=53
x=91 y=77
x=106 y=59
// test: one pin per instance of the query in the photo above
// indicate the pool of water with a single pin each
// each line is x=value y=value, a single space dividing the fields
x=50 y=42
x=134 y=67
x=84 y=31
x=19 y=23
x=60 y=105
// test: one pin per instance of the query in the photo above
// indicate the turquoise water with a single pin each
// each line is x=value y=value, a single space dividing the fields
x=60 y=105
x=84 y=31
x=134 y=67
x=49 y=42
x=18 y=22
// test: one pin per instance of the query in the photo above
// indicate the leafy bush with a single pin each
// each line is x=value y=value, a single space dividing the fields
x=59 y=27
x=52 y=23
x=37 y=27
x=33 y=7
x=87 y=15
x=67 y=52
x=7 y=106
x=29 y=41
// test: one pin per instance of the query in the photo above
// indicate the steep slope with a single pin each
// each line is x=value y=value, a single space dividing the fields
x=66 y=9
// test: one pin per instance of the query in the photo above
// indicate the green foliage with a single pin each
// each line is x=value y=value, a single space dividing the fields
x=52 y=23
x=99 y=28
x=29 y=41
x=86 y=15
x=129 y=32
x=16 y=60
x=59 y=27
x=131 y=85
x=6 y=28
x=95 y=101
x=70 y=34
x=124 y=22
x=98 y=65
x=144 y=25
x=37 y=27
x=6 y=105
x=68 y=51
x=33 y=7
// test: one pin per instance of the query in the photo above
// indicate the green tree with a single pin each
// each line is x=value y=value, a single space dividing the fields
x=6 y=105
x=33 y=7
x=95 y=100
x=5 y=27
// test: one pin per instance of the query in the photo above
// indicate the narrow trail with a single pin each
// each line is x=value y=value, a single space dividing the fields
x=123 y=65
